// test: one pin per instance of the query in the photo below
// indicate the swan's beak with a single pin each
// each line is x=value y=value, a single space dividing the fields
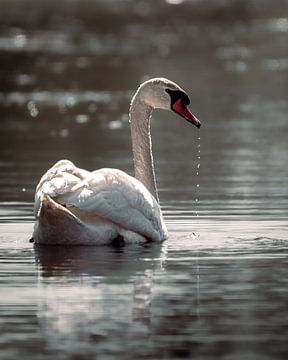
x=185 y=113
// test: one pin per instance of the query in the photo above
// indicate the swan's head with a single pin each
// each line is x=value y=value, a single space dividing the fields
x=164 y=94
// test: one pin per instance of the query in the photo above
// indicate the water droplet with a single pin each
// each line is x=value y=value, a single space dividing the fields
x=197 y=174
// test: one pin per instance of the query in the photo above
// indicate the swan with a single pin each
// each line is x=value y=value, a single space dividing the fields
x=74 y=206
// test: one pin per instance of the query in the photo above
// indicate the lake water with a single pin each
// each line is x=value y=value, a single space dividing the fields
x=217 y=288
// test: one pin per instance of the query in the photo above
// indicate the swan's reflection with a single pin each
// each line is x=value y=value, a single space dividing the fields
x=96 y=294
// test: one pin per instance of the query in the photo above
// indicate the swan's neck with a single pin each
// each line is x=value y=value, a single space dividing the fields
x=140 y=114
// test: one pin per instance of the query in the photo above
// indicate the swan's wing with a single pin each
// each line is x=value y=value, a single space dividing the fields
x=108 y=193
x=120 y=198
x=58 y=180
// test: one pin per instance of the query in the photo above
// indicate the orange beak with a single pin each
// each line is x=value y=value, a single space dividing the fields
x=185 y=113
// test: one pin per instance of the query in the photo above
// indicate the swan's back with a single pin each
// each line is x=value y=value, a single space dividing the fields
x=101 y=205
x=59 y=179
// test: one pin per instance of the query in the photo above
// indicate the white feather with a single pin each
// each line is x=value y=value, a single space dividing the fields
x=106 y=197
x=75 y=206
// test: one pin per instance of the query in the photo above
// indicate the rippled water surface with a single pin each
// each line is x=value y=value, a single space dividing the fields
x=217 y=288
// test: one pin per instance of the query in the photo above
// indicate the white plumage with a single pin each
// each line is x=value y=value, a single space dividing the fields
x=78 y=207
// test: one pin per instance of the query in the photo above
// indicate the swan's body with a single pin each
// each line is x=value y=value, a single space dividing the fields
x=74 y=206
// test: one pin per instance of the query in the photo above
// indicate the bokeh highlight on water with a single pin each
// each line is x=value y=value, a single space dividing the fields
x=218 y=287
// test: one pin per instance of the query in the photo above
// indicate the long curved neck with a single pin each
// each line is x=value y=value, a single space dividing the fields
x=140 y=114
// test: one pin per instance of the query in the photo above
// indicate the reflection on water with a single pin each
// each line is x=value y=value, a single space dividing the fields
x=218 y=287
x=115 y=291
x=221 y=290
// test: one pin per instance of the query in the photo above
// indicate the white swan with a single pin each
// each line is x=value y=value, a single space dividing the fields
x=78 y=207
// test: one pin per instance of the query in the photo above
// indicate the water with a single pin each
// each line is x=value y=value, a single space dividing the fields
x=217 y=288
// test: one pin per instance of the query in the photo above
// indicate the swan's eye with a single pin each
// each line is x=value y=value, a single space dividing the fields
x=176 y=95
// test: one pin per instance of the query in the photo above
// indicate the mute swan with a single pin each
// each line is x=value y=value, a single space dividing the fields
x=78 y=207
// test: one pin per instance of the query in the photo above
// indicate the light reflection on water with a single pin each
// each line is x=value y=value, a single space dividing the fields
x=218 y=287
x=199 y=293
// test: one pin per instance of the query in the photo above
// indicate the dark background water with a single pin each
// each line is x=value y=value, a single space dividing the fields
x=218 y=287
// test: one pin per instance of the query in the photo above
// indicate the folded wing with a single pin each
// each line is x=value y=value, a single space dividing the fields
x=107 y=193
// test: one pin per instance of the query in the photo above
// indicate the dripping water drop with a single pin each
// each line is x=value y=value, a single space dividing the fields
x=198 y=157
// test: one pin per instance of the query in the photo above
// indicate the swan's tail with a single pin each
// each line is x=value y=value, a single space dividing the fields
x=55 y=224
